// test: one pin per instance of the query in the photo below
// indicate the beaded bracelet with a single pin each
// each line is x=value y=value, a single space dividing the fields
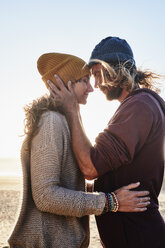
x=116 y=203
x=106 y=208
x=109 y=205
x=110 y=202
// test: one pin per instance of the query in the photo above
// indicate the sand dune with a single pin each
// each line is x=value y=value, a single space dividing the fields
x=9 y=205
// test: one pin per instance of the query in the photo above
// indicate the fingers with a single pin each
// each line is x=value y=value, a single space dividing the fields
x=59 y=82
x=132 y=185
x=143 y=204
x=140 y=193
x=70 y=86
x=53 y=88
x=139 y=209
x=133 y=209
x=139 y=199
x=143 y=199
x=52 y=94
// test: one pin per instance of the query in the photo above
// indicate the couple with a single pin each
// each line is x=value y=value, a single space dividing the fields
x=56 y=206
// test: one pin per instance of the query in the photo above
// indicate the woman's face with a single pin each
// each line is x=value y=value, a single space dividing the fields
x=82 y=88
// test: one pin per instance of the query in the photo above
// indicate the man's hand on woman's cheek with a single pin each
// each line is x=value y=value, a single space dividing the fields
x=63 y=97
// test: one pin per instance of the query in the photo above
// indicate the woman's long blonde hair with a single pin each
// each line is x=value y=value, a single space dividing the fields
x=33 y=112
x=125 y=74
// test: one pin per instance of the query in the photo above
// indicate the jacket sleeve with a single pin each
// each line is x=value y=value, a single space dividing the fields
x=123 y=138
x=46 y=165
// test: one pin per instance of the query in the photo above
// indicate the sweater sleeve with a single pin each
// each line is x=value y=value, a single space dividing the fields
x=124 y=137
x=46 y=165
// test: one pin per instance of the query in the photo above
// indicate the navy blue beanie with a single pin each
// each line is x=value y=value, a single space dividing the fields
x=112 y=50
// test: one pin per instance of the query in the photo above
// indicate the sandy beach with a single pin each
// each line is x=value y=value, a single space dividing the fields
x=9 y=208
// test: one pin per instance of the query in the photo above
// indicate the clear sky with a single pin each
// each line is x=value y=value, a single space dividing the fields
x=31 y=28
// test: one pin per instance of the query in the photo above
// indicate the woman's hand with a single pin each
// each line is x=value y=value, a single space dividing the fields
x=132 y=201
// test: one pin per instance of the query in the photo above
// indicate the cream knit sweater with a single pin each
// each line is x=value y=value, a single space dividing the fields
x=55 y=208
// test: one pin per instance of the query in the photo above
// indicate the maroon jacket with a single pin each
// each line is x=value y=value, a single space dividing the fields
x=130 y=150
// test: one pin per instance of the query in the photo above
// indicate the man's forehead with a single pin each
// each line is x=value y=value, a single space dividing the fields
x=96 y=68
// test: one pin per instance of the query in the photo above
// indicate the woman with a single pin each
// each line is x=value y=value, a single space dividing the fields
x=55 y=206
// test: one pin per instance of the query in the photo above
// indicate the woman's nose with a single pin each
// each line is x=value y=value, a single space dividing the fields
x=90 y=88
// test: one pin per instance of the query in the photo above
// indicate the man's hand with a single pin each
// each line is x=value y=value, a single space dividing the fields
x=132 y=201
x=66 y=100
x=63 y=97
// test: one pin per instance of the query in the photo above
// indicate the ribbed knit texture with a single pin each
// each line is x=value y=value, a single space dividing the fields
x=68 y=67
x=112 y=50
x=54 y=207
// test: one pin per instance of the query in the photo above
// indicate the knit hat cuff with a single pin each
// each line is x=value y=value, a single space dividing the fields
x=65 y=77
x=112 y=58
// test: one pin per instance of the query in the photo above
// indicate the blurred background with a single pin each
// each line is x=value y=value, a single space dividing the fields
x=31 y=28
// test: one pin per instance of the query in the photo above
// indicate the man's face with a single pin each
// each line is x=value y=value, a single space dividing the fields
x=111 y=92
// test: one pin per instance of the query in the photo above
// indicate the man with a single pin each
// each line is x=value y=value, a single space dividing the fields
x=129 y=149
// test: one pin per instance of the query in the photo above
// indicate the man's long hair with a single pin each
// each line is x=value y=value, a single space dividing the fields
x=125 y=74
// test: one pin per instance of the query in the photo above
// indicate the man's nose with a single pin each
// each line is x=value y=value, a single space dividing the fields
x=96 y=85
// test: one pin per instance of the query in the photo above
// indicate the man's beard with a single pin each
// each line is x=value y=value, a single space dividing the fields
x=111 y=92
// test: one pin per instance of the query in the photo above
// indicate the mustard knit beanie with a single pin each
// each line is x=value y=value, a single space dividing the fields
x=66 y=66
